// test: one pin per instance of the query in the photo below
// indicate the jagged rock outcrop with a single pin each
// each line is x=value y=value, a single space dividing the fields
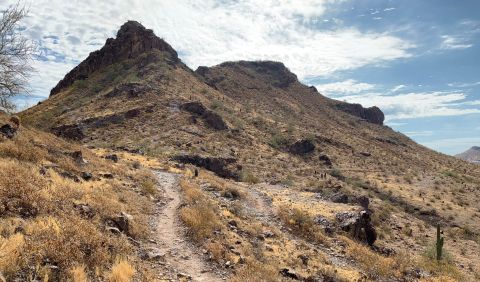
x=372 y=114
x=132 y=40
x=223 y=167
x=212 y=119
x=301 y=147
x=69 y=131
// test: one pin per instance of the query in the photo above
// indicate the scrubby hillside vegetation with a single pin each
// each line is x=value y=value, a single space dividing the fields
x=66 y=212
x=291 y=184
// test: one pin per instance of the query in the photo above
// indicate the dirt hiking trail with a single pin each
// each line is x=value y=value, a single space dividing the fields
x=180 y=257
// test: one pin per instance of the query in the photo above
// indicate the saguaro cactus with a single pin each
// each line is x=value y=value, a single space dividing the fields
x=439 y=244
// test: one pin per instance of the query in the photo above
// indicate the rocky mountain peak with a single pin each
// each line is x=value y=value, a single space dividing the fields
x=476 y=148
x=132 y=40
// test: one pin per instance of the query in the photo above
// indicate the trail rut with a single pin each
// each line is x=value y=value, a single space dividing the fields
x=181 y=258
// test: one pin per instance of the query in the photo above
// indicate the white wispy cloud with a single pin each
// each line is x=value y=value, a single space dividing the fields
x=397 y=88
x=349 y=86
x=210 y=32
x=415 y=105
x=461 y=85
x=450 y=42
x=419 y=133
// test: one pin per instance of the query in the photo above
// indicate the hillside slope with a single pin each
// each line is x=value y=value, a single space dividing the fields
x=255 y=122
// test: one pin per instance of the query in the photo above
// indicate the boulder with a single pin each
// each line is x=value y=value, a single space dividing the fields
x=358 y=225
x=8 y=131
x=301 y=147
x=214 y=120
x=77 y=156
x=87 y=176
x=69 y=131
x=132 y=113
x=122 y=222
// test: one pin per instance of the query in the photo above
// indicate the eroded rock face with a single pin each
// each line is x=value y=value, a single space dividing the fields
x=358 y=225
x=130 y=89
x=223 y=167
x=301 y=147
x=372 y=114
x=132 y=40
x=194 y=108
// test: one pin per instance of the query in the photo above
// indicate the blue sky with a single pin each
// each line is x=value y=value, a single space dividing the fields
x=419 y=61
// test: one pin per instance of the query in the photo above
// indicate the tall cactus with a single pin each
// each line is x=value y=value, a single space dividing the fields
x=439 y=244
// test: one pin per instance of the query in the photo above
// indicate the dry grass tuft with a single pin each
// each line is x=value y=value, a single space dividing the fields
x=78 y=274
x=122 y=271
x=302 y=224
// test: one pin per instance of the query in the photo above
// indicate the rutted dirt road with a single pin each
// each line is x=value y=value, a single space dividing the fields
x=180 y=257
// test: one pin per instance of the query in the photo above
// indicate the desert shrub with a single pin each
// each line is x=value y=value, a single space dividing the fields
x=337 y=174
x=201 y=220
x=278 y=141
x=148 y=187
x=249 y=177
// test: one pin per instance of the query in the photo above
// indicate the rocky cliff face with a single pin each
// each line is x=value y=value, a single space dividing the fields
x=132 y=40
x=372 y=114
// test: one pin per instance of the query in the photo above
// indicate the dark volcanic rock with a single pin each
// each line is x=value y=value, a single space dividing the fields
x=301 y=147
x=8 y=131
x=132 y=40
x=214 y=120
x=69 y=131
x=372 y=114
x=223 y=167
x=194 y=108
x=325 y=159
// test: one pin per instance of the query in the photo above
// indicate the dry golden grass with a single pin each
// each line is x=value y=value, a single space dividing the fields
x=302 y=223
x=78 y=274
x=47 y=219
x=122 y=271
x=257 y=272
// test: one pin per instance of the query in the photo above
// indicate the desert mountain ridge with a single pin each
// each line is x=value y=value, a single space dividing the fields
x=471 y=155
x=287 y=176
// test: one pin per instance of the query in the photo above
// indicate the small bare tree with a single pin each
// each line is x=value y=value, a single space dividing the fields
x=15 y=56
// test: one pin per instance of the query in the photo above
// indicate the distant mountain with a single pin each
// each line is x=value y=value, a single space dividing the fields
x=470 y=155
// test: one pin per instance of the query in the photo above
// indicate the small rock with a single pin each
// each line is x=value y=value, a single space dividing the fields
x=112 y=157
x=289 y=273
x=87 y=176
